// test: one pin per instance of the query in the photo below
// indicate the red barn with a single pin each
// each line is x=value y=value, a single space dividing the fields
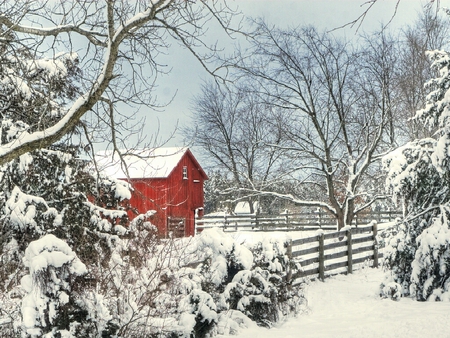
x=167 y=180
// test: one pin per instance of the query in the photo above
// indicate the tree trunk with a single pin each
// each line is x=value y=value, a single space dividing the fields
x=250 y=206
x=340 y=219
x=341 y=222
x=346 y=215
x=350 y=214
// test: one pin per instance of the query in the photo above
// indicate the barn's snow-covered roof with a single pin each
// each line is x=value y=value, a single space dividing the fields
x=141 y=163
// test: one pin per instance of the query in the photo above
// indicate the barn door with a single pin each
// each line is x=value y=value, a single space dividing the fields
x=176 y=226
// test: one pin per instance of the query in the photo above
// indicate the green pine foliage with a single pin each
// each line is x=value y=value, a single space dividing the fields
x=417 y=248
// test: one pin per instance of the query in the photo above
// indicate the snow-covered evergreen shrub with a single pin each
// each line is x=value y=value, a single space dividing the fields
x=203 y=309
x=391 y=290
x=265 y=293
x=50 y=192
x=253 y=293
x=50 y=308
x=271 y=255
x=255 y=280
x=399 y=251
x=419 y=176
x=430 y=269
x=47 y=192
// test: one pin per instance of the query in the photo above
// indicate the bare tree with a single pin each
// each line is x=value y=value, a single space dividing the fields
x=376 y=82
x=235 y=129
x=119 y=46
x=336 y=129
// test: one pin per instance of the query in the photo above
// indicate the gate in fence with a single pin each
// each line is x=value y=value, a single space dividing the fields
x=176 y=226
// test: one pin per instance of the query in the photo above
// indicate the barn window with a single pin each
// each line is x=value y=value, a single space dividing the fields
x=185 y=173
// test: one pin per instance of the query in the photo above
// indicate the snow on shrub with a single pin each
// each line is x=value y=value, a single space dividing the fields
x=418 y=176
x=391 y=290
x=253 y=280
x=203 y=311
x=253 y=294
x=399 y=251
x=223 y=257
x=157 y=288
x=49 y=309
x=430 y=268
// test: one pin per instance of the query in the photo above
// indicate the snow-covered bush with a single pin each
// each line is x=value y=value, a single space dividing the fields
x=50 y=308
x=253 y=293
x=419 y=176
x=255 y=280
x=50 y=192
x=399 y=251
x=430 y=269
x=271 y=282
x=391 y=290
x=202 y=309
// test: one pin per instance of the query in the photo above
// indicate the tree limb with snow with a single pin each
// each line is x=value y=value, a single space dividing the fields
x=118 y=45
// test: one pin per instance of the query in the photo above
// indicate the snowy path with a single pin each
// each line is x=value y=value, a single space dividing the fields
x=349 y=306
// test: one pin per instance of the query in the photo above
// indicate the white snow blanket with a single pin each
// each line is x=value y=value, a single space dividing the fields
x=350 y=306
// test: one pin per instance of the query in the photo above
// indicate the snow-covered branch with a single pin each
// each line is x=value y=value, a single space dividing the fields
x=291 y=198
x=119 y=37
x=94 y=37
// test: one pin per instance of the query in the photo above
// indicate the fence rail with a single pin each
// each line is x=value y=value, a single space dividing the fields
x=327 y=254
x=288 y=221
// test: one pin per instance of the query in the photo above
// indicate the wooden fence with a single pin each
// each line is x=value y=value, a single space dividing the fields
x=288 y=221
x=330 y=253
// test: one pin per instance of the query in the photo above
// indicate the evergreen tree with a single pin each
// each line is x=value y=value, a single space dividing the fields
x=418 y=174
x=50 y=190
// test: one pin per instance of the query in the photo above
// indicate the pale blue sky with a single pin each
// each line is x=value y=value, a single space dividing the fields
x=187 y=74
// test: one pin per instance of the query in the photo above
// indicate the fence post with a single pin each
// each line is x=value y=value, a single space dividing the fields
x=349 y=251
x=289 y=268
x=196 y=225
x=321 y=257
x=225 y=222
x=375 y=245
x=289 y=249
x=320 y=218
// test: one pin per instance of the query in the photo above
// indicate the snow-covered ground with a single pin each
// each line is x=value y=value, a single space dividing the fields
x=349 y=306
